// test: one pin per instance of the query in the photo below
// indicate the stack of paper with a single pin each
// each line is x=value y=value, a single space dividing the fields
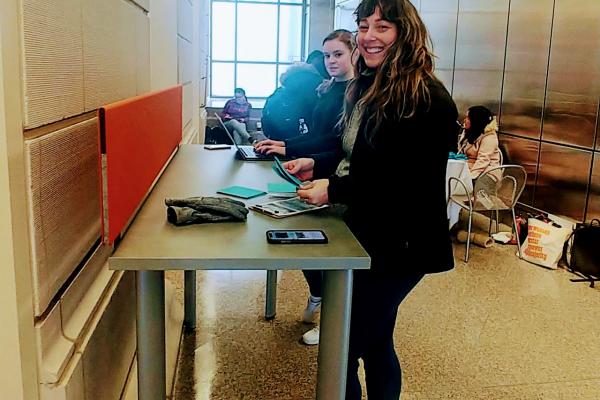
x=283 y=189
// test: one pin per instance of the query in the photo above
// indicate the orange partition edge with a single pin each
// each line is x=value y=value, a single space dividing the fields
x=137 y=136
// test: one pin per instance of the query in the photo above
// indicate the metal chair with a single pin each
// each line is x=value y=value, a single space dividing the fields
x=494 y=190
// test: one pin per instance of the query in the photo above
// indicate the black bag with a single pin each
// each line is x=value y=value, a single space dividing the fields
x=585 y=252
x=282 y=114
x=216 y=135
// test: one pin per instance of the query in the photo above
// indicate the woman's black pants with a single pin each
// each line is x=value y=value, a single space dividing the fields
x=314 y=278
x=375 y=299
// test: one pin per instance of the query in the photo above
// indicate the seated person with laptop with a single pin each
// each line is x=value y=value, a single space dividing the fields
x=235 y=114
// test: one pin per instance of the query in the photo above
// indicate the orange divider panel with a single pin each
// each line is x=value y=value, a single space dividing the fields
x=137 y=137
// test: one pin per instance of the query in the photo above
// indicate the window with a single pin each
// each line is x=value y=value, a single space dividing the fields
x=253 y=42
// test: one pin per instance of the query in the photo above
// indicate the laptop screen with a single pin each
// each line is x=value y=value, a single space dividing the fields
x=227 y=131
x=245 y=152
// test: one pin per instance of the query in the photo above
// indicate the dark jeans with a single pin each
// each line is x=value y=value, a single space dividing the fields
x=375 y=300
x=314 y=278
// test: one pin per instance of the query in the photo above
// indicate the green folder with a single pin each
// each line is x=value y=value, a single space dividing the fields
x=241 y=191
x=284 y=187
x=277 y=166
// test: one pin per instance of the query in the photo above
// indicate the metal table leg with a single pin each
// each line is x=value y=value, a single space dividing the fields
x=189 y=320
x=334 y=335
x=271 y=296
x=150 y=331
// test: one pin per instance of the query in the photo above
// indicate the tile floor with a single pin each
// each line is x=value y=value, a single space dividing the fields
x=495 y=328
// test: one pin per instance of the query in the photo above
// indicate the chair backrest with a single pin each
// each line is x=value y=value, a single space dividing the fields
x=499 y=188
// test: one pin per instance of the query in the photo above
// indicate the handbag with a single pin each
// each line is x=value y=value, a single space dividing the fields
x=585 y=252
x=545 y=242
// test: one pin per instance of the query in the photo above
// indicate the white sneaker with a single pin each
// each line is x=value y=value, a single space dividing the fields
x=308 y=315
x=311 y=337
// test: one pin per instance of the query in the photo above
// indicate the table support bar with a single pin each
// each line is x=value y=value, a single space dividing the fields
x=150 y=332
x=271 y=295
x=189 y=320
x=334 y=334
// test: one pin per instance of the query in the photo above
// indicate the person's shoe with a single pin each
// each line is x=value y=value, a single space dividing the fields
x=312 y=307
x=311 y=337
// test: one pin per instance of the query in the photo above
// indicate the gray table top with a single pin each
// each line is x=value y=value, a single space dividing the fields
x=151 y=243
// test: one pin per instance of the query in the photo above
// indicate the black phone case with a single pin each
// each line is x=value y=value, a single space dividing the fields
x=274 y=240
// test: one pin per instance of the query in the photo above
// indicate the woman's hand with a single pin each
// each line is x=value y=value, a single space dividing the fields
x=301 y=168
x=269 y=142
x=315 y=192
x=270 y=147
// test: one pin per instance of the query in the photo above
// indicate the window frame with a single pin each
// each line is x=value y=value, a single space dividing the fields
x=303 y=5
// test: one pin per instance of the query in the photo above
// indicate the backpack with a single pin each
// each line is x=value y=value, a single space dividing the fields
x=216 y=135
x=285 y=115
x=584 y=257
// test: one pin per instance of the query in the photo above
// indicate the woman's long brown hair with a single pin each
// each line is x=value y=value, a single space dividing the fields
x=400 y=83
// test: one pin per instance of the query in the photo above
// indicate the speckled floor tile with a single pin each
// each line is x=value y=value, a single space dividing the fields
x=574 y=390
x=495 y=328
x=545 y=329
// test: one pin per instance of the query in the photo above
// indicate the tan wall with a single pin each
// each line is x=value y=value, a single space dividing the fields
x=163 y=45
x=76 y=55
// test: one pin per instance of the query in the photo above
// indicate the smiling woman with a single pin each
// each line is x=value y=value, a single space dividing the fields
x=375 y=37
x=394 y=102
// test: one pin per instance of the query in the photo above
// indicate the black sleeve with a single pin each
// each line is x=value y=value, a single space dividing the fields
x=326 y=162
x=303 y=146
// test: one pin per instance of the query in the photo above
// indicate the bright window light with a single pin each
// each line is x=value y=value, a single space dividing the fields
x=253 y=42
x=223 y=31
x=257 y=32
x=222 y=79
x=258 y=80
x=290 y=48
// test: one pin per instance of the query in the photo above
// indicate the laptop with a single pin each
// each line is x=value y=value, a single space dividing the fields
x=246 y=153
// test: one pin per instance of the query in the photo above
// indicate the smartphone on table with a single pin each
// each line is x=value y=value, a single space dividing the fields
x=216 y=146
x=295 y=236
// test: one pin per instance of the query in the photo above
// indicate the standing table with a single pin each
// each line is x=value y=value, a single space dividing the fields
x=151 y=245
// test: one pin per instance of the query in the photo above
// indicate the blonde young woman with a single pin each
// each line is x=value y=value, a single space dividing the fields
x=338 y=47
x=395 y=103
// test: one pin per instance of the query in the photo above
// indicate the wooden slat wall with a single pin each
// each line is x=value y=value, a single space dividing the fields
x=53 y=67
x=64 y=204
x=77 y=56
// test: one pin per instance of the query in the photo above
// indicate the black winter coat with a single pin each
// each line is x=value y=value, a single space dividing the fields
x=324 y=133
x=408 y=157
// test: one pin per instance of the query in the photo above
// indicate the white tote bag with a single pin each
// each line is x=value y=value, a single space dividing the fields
x=544 y=243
